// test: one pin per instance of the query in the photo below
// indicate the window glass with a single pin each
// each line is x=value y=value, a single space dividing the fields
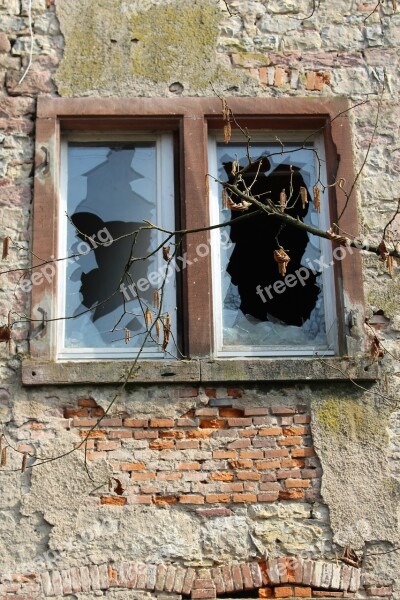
x=111 y=189
x=259 y=308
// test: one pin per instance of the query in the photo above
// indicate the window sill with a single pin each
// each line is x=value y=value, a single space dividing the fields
x=39 y=372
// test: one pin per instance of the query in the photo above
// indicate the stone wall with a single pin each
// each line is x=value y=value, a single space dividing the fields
x=192 y=481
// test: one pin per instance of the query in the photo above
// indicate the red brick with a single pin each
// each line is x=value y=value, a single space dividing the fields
x=240 y=464
x=136 y=422
x=290 y=441
x=171 y=433
x=145 y=435
x=244 y=443
x=168 y=476
x=302 y=592
x=95 y=455
x=113 y=500
x=186 y=422
x=248 y=433
x=283 y=591
x=253 y=412
x=301 y=419
x=244 y=498
x=262 y=465
x=162 y=422
x=240 y=422
x=268 y=497
x=218 y=498
x=191 y=499
x=98 y=411
x=325 y=594
x=224 y=454
x=265 y=593
x=270 y=486
x=276 y=453
x=295 y=430
x=120 y=434
x=301 y=452
x=290 y=463
x=289 y=473
x=70 y=413
x=111 y=422
x=310 y=84
x=160 y=577
x=133 y=466
x=279 y=409
x=203 y=584
x=212 y=424
x=87 y=402
x=142 y=476
x=251 y=454
x=228 y=581
x=200 y=433
x=206 y=594
x=210 y=392
x=206 y=411
x=311 y=473
x=221 y=476
x=237 y=577
x=380 y=591
x=161 y=445
x=270 y=431
x=230 y=412
x=248 y=476
x=188 y=393
x=291 y=495
x=232 y=487
x=164 y=500
x=84 y=422
x=189 y=466
x=188 y=581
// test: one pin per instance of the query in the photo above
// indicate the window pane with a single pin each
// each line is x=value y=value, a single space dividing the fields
x=258 y=308
x=112 y=189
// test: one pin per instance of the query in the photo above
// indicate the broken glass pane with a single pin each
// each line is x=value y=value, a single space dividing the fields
x=112 y=189
x=257 y=310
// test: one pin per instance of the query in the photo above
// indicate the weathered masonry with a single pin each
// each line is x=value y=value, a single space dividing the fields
x=198 y=400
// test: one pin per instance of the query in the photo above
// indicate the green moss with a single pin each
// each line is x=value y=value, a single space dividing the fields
x=112 y=50
x=177 y=42
x=386 y=296
x=351 y=419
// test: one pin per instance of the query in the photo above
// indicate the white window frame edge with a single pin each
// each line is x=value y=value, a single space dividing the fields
x=326 y=253
x=165 y=210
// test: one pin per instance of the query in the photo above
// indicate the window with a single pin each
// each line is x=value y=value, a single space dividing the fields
x=110 y=164
x=257 y=312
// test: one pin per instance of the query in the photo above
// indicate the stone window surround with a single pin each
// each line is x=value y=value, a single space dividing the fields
x=190 y=119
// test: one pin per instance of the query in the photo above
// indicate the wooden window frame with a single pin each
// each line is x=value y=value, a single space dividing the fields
x=190 y=119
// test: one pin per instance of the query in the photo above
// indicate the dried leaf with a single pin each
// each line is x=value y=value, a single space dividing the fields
x=207 y=185
x=158 y=328
x=317 y=198
x=6 y=246
x=3 y=457
x=390 y=265
x=5 y=333
x=224 y=199
x=340 y=239
x=376 y=348
x=303 y=196
x=282 y=200
x=226 y=111
x=397 y=248
x=282 y=259
x=148 y=317
x=238 y=206
x=227 y=132
x=383 y=251
x=23 y=466
x=166 y=254
x=127 y=335
x=156 y=300
x=167 y=331
x=235 y=167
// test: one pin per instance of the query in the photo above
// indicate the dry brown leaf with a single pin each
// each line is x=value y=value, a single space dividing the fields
x=376 y=348
x=340 y=239
x=227 y=132
x=158 y=328
x=3 y=462
x=303 y=196
x=383 y=251
x=224 y=199
x=148 y=317
x=238 y=206
x=127 y=335
x=282 y=200
x=317 y=198
x=6 y=246
x=390 y=265
x=5 y=333
x=166 y=254
x=167 y=331
x=235 y=167
x=23 y=466
x=156 y=299
x=282 y=259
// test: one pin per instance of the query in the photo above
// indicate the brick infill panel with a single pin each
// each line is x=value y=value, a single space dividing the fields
x=213 y=455
x=275 y=578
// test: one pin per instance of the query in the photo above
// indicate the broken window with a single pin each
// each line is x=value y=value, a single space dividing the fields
x=259 y=311
x=110 y=189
